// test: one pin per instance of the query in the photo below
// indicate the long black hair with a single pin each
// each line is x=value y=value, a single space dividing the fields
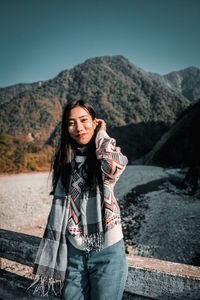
x=61 y=165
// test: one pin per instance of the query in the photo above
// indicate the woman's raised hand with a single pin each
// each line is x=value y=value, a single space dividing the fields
x=101 y=124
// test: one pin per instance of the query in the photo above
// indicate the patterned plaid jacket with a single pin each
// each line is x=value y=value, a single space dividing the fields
x=113 y=163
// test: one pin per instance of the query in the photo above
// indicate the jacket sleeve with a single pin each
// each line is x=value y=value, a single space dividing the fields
x=113 y=162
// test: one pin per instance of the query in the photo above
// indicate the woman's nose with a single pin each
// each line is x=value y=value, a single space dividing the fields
x=79 y=126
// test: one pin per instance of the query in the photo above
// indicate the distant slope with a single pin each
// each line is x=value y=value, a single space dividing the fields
x=180 y=146
x=186 y=82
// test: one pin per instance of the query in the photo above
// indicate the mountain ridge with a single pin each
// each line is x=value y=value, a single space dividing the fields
x=186 y=82
x=12 y=91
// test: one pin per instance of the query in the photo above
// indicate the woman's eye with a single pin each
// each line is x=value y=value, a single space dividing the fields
x=71 y=124
x=84 y=120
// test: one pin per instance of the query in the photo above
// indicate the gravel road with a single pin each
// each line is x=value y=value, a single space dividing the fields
x=163 y=223
x=25 y=200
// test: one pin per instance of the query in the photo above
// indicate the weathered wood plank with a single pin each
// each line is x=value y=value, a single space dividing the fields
x=18 y=247
x=163 y=280
x=13 y=286
x=147 y=277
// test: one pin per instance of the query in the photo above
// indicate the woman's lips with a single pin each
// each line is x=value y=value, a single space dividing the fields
x=80 y=135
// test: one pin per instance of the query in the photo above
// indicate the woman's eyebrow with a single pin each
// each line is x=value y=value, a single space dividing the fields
x=78 y=117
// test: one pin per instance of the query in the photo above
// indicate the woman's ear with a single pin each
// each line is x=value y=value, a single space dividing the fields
x=95 y=123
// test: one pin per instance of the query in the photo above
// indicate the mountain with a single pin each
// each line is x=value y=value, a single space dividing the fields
x=138 y=107
x=186 y=82
x=180 y=145
x=122 y=94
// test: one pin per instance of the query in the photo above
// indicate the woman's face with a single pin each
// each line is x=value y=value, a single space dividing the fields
x=81 y=126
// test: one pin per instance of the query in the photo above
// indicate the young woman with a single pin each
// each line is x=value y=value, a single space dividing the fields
x=82 y=252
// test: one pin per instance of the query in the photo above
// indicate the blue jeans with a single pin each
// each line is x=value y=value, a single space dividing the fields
x=97 y=275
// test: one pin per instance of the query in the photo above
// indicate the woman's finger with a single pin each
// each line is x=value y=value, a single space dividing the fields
x=101 y=124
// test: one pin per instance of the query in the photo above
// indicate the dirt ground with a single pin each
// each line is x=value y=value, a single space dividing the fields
x=159 y=220
x=162 y=222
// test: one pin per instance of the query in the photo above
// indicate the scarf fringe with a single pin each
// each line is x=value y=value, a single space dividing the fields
x=93 y=242
x=45 y=285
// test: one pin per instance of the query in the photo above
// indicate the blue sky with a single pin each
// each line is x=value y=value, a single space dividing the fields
x=40 y=38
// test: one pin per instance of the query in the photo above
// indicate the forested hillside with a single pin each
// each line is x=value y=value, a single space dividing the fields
x=137 y=107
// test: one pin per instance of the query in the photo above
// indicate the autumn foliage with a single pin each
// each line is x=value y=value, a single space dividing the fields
x=17 y=155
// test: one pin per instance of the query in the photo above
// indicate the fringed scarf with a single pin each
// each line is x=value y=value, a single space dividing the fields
x=80 y=213
x=51 y=259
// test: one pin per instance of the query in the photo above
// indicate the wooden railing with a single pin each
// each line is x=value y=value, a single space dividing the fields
x=148 y=278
